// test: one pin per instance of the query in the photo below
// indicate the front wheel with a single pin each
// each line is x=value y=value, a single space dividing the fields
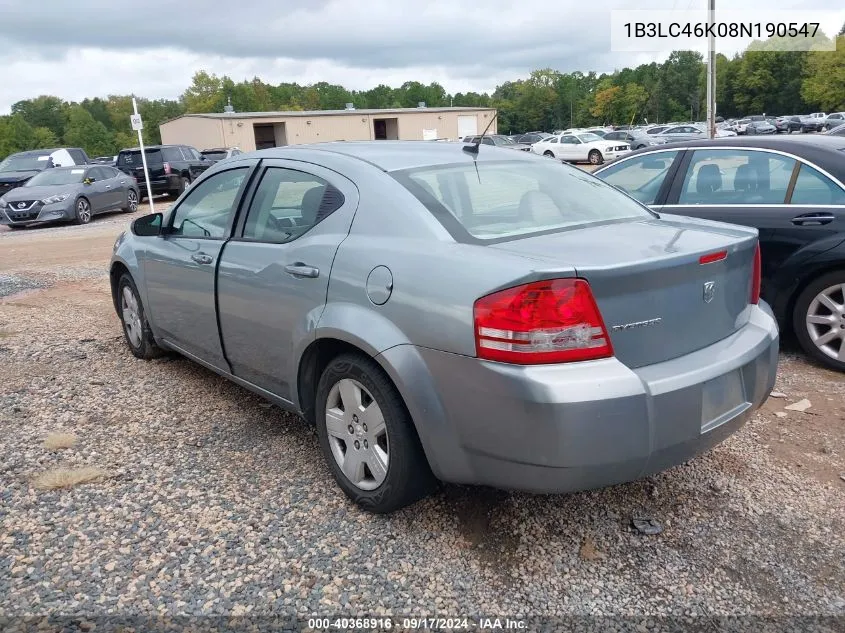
x=136 y=328
x=548 y=154
x=819 y=319
x=595 y=157
x=83 y=211
x=367 y=436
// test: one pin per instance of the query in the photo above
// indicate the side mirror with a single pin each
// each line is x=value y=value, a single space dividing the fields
x=148 y=225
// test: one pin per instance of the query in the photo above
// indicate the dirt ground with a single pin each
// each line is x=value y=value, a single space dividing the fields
x=216 y=502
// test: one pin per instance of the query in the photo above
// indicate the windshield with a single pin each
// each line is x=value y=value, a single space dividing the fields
x=28 y=162
x=214 y=155
x=497 y=200
x=589 y=137
x=132 y=158
x=56 y=177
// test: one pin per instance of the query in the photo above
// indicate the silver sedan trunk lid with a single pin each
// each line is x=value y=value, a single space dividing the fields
x=658 y=299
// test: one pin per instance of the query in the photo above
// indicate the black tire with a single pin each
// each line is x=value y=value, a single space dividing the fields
x=184 y=183
x=549 y=154
x=82 y=212
x=146 y=348
x=408 y=477
x=129 y=201
x=595 y=157
x=799 y=316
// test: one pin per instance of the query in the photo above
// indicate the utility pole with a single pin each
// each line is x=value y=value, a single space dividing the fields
x=711 y=71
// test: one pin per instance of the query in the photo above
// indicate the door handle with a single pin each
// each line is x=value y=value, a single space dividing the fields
x=202 y=258
x=108 y=186
x=302 y=270
x=811 y=218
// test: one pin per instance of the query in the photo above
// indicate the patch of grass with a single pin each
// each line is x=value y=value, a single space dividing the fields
x=67 y=477
x=59 y=441
x=7 y=333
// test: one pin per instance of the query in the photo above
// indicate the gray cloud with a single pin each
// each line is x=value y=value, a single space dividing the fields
x=93 y=47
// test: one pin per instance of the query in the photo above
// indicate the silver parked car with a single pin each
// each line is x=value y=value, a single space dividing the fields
x=69 y=194
x=469 y=314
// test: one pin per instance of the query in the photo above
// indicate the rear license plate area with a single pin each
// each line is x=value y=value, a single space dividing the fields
x=722 y=399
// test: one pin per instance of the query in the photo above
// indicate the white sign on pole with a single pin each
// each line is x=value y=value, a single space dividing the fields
x=133 y=118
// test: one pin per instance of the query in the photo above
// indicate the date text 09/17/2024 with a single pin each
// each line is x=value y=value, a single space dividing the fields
x=410 y=623
x=676 y=30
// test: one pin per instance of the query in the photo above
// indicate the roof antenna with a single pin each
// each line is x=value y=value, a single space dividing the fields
x=473 y=149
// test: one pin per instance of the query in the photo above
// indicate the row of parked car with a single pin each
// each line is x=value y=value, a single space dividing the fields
x=65 y=184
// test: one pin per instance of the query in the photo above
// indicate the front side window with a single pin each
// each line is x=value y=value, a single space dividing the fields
x=640 y=177
x=733 y=176
x=171 y=154
x=287 y=203
x=209 y=207
x=495 y=200
x=813 y=187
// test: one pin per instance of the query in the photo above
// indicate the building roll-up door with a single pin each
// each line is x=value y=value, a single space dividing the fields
x=467 y=125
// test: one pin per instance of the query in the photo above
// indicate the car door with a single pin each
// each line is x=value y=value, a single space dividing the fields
x=113 y=196
x=274 y=274
x=96 y=190
x=121 y=184
x=197 y=163
x=568 y=148
x=787 y=201
x=179 y=266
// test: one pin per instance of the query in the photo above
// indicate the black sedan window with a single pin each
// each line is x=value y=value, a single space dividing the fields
x=813 y=187
x=640 y=177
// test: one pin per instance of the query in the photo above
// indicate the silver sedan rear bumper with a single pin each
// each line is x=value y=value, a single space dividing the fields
x=564 y=428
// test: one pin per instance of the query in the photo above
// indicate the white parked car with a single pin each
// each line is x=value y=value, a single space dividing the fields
x=581 y=147
x=834 y=120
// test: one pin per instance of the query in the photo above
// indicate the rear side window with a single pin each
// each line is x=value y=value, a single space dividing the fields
x=132 y=158
x=77 y=156
x=813 y=187
x=499 y=200
x=171 y=154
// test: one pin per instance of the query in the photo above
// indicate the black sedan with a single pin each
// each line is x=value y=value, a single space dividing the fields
x=792 y=189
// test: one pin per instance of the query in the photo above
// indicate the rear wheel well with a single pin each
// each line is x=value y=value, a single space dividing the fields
x=799 y=288
x=116 y=272
x=314 y=361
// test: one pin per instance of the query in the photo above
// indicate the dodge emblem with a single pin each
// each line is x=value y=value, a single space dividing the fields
x=709 y=291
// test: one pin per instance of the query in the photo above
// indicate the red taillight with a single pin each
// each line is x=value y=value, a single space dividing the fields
x=755 y=277
x=713 y=257
x=552 y=321
x=166 y=168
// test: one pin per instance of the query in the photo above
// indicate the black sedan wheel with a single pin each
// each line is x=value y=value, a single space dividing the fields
x=819 y=319
x=83 y=211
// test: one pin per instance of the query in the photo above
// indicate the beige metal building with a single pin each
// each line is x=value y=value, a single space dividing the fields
x=260 y=130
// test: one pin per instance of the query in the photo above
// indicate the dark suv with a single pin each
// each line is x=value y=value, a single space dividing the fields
x=172 y=167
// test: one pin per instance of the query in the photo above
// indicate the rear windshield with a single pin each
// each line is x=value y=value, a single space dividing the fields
x=214 y=155
x=500 y=200
x=27 y=162
x=132 y=158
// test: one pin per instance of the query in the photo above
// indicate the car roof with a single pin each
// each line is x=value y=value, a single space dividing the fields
x=397 y=155
x=827 y=151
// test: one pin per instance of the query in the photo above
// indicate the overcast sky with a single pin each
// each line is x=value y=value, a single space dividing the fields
x=85 y=48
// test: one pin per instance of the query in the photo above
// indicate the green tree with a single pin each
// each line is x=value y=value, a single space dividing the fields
x=82 y=130
x=44 y=111
x=205 y=94
x=824 y=83
x=43 y=137
x=16 y=135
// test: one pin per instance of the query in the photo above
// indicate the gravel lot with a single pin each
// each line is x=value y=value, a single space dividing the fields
x=212 y=502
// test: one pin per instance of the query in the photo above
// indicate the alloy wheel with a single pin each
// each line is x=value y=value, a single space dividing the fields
x=357 y=434
x=133 y=201
x=825 y=321
x=83 y=211
x=131 y=316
